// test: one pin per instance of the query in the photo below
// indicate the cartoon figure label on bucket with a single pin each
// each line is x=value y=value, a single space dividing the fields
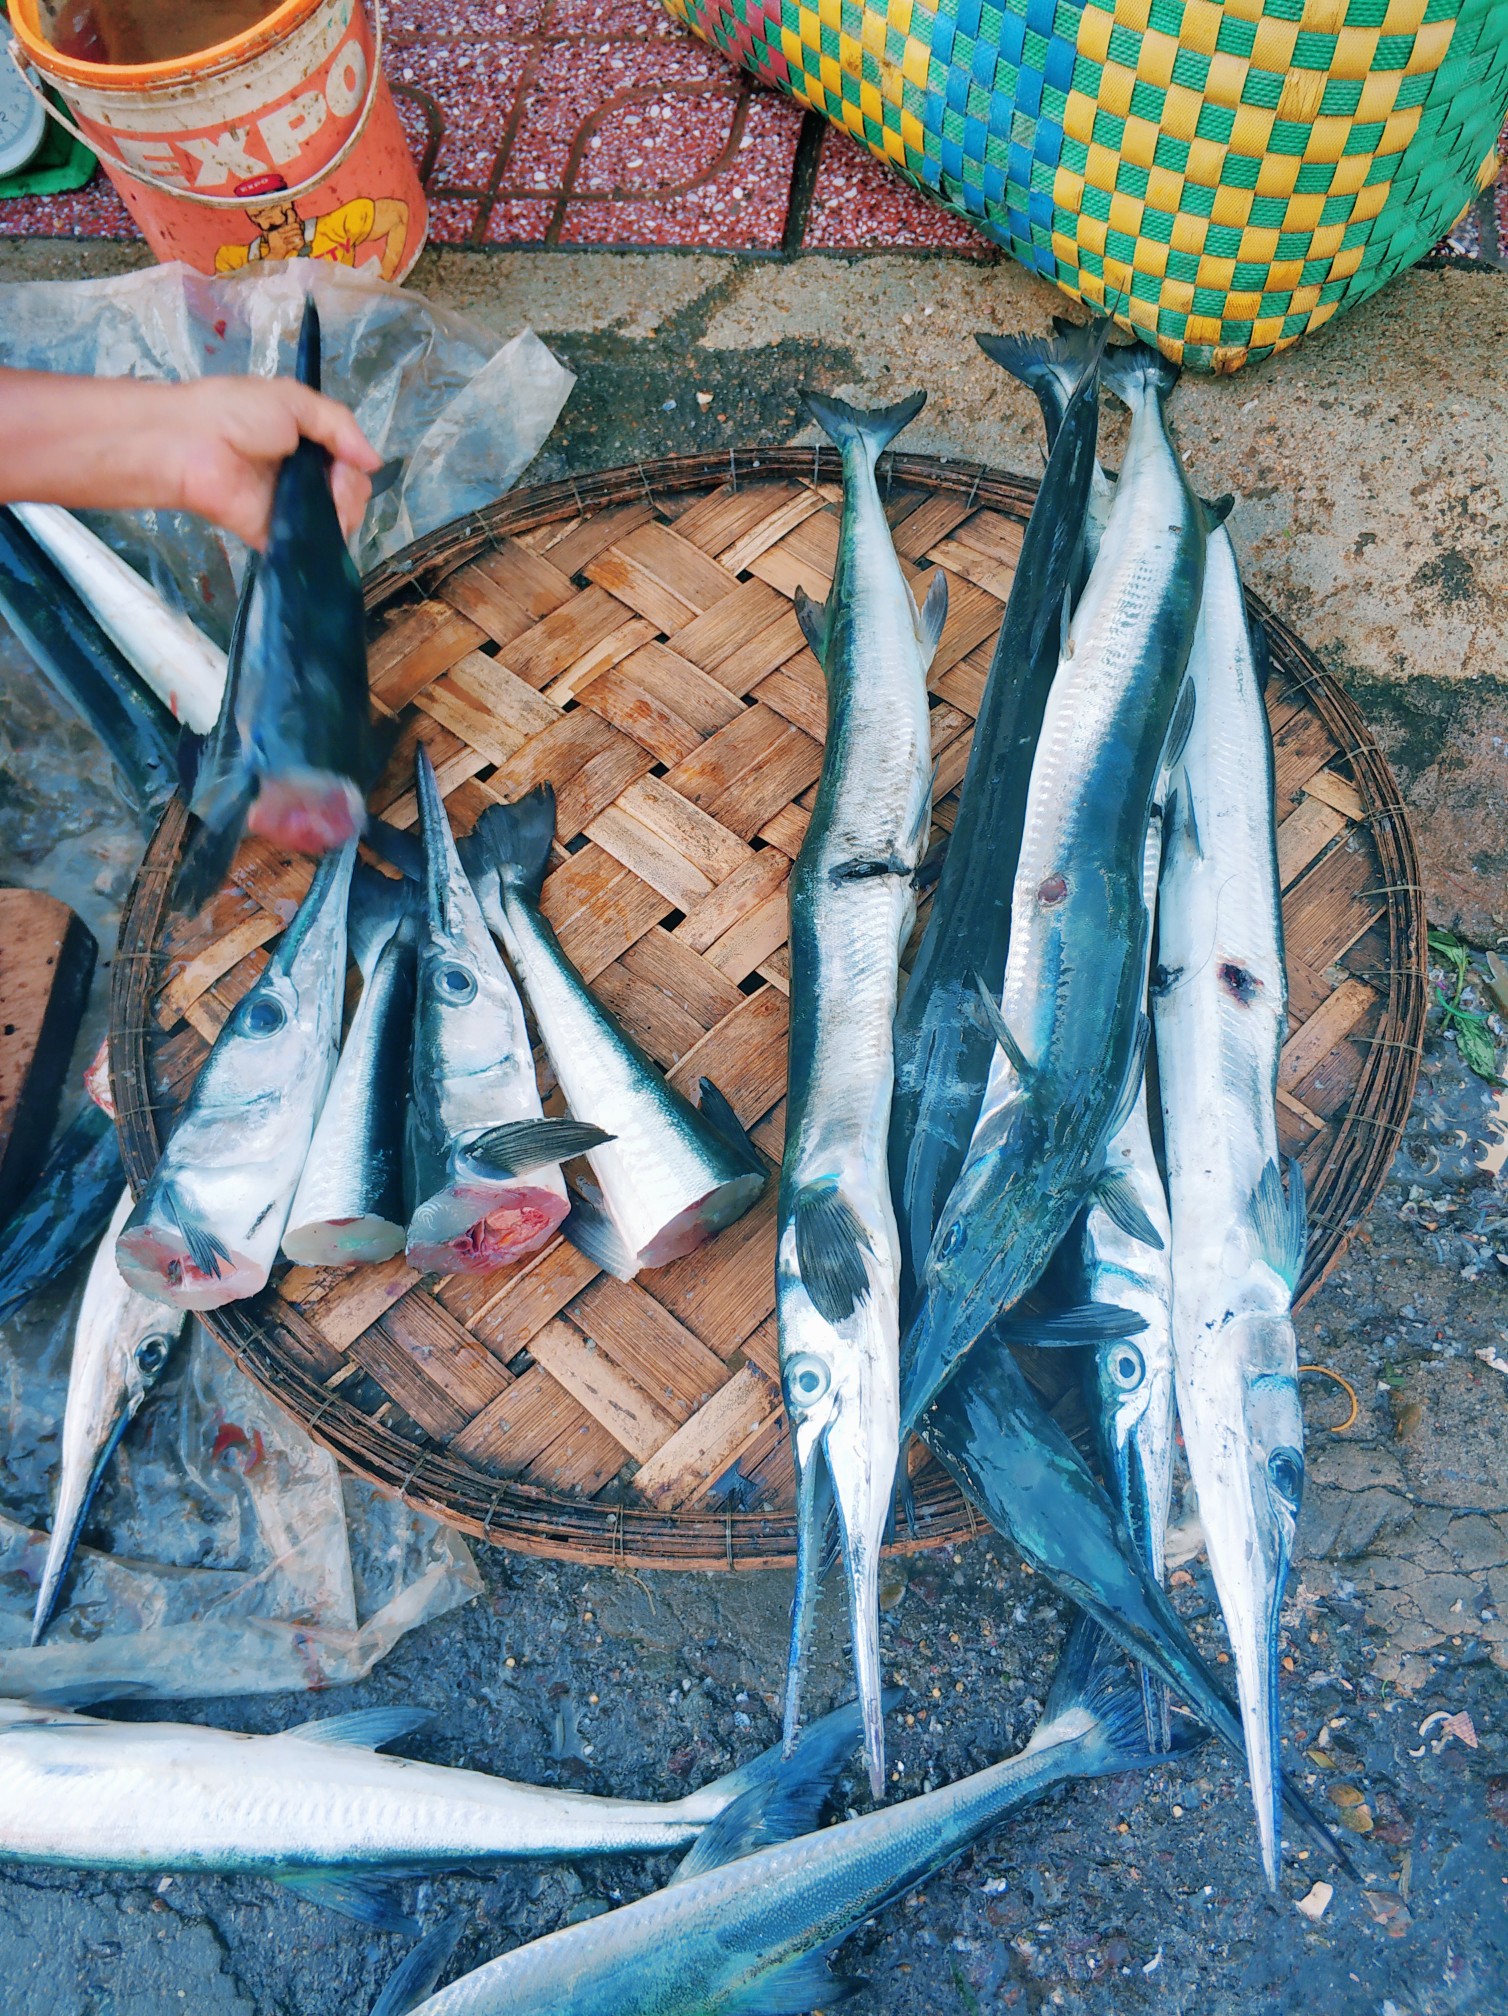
x=214 y=154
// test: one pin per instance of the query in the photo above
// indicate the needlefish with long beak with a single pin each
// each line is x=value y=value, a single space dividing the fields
x=747 y=1923
x=852 y=900
x=206 y=1228
x=667 y=1174
x=1070 y=1023
x=943 y=1038
x=349 y=1205
x=995 y=1439
x=1219 y=1001
x=315 y=1808
x=483 y=1162
x=121 y=1345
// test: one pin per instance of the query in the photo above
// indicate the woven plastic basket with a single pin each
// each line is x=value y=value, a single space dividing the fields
x=1223 y=177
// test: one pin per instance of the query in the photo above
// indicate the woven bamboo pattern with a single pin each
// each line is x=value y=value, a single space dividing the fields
x=632 y=640
x=1222 y=176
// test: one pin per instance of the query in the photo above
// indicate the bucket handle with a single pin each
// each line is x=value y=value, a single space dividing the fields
x=166 y=188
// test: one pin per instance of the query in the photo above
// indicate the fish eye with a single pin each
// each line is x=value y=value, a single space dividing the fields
x=957 y=1237
x=263 y=1015
x=152 y=1354
x=1285 y=1469
x=1127 y=1367
x=456 y=984
x=807 y=1378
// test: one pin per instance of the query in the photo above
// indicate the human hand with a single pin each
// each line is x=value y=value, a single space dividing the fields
x=225 y=438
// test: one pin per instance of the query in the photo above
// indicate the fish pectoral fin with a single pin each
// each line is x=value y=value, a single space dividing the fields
x=812 y=616
x=362 y=1728
x=520 y=1145
x=1117 y=1198
x=1182 y=820
x=777 y=1809
x=206 y=1252
x=930 y=867
x=1131 y=1090
x=1086 y=1323
x=1180 y=727
x=932 y=615
x=370 y=1900
x=591 y=1230
x=1000 y=1030
x=414 y=1980
x=718 y=1112
x=830 y=1246
x=1217 y=510
x=207 y=858
x=801 y=1984
x=1281 y=1221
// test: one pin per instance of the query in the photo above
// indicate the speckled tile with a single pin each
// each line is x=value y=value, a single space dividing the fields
x=858 y=205
x=471 y=90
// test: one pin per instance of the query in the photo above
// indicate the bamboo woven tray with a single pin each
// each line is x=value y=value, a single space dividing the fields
x=631 y=638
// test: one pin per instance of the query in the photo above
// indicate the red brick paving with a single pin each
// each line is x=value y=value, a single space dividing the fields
x=600 y=122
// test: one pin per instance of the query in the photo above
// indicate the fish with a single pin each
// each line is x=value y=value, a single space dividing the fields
x=87 y=672
x=943 y=1038
x=317 y=1809
x=1070 y=1022
x=64 y=1212
x=305 y=751
x=349 y=1205
x=1219 y=1003
x=852 y=901
x=122 y=1343
x=1019 y=1469
x=167 y=649
x=668 y=1176
x=746 y=1925
x=483 y=1162
x=206 y=1228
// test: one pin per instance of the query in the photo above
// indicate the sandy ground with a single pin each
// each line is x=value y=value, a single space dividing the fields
x=1370 y=466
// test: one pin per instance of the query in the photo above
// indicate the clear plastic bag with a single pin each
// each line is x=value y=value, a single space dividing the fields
x=235 y=1559
x=464 y=410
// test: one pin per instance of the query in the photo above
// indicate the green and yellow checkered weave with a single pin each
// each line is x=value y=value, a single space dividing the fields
x=1222 y=176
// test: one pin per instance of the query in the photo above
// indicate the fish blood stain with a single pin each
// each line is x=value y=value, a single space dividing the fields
x=1239 y=984
x=1052 y=891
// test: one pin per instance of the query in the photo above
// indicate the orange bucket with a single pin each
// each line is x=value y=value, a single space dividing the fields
x=281 y=143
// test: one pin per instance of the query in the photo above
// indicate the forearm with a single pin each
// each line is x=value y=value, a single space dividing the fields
x=87 y=442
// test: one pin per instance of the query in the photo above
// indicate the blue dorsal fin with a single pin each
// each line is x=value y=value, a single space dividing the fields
x=812 y=616
x=802 y=1984
x=362 y=1728
x=415 y=1978
x=354 y=1893
x=1000 y=1030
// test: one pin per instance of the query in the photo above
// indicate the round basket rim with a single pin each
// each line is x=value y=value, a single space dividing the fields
x=528 y=1518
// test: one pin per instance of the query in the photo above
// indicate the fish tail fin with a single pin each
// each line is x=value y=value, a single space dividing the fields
x=307 y=364
x=1094 y=1678
x=1136 y=372
x=1049 y=366
x=421 y=1968
x=781 y=1794
x=851 y=426
x=516 y=839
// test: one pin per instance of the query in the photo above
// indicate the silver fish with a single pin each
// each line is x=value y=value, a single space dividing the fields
x=852 y=901
x=483 y=1163
x=205 y=1231
x=668 y=1176
x=1220 y=1009
x=349 y=1204
x=744 y=1928
x=170 y=652
x=121 y=1343
x=316 y=1808
x=1070 y=1022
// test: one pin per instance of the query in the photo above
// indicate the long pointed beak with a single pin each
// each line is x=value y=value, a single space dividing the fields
x=76 y=1491
x=813 y=1504
x=442 y=864
x=863 y=1469
x=1255 y=1652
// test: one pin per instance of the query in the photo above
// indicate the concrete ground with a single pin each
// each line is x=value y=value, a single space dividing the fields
x=1371 y=466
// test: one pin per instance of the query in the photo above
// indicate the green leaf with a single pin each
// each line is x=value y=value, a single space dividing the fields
x=1449 y=950
x=1475 y=1042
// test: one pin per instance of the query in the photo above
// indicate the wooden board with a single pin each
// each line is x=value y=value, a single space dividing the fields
x=46 y=964
x=631 y=638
